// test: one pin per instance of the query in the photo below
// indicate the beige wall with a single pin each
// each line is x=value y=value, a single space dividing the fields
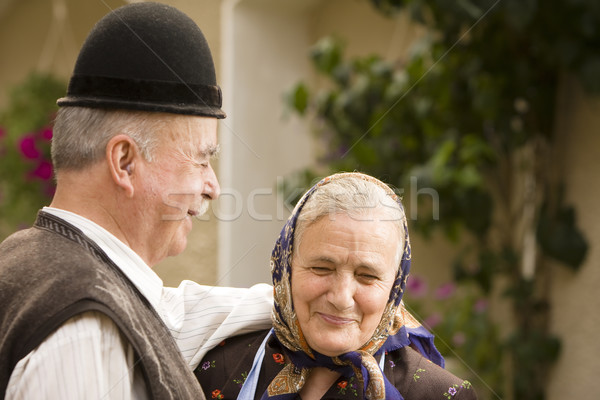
x=575 y=299
x=32 y=39
x=264 y=50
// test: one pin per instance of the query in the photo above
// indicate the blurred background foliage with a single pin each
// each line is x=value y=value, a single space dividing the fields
x=26 y=179
x=470 y=113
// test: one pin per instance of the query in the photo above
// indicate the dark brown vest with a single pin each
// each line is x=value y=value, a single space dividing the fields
x=52 y=272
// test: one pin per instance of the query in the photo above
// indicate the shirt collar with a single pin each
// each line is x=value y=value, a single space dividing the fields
x=131 y=264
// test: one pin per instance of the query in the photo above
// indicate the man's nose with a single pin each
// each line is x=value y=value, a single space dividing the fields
x=212 y=189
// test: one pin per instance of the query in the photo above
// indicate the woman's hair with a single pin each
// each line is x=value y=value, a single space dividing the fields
x=356 y=197
x=80 y=134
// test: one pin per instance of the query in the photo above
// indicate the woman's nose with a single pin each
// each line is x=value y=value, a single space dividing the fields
x=341 y=291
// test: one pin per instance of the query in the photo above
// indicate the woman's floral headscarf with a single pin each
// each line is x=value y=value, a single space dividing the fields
x=389 y=335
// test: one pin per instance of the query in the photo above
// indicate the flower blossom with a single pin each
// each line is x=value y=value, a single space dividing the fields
x=416 y=286
x=445 y=291
x=46 y=134
x=433 y=320
x=43 y=171
x=28 y=147
x=480 y=306
x=278 y=358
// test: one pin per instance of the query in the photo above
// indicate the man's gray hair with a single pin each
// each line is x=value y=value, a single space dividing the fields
x=80 y=134
x=356 y=197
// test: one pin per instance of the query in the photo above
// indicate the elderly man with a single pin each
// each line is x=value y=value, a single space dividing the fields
x=83 y=315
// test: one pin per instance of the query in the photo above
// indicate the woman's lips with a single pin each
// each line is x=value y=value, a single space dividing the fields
x=334 y=320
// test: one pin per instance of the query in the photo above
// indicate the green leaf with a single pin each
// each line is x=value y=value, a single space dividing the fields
x=298 y=98
x=560 y=238
x=327 y=54
x=589 y=74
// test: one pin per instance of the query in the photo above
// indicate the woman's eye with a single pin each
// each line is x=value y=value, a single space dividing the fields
x=320 y=270
x=368 y=277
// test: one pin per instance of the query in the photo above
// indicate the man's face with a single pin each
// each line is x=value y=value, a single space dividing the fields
x=176 y=186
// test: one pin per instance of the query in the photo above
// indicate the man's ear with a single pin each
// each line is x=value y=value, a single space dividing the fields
x=122 y=155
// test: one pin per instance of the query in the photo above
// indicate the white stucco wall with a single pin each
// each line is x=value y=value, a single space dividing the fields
x=264 y=53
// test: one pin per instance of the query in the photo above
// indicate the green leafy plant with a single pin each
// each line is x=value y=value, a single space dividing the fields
x=26 y=179
x=469 y=114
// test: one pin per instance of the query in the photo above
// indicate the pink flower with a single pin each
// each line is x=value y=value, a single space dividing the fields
x=46 y=134
x=432 y=321
x=480 y=306
x=459 y=339
x=43 y=171
x=28 y=147
x=444 y=291
x=2 y=132
x=416 y=286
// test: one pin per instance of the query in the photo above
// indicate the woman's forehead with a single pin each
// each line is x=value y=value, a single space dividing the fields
x=339 y=235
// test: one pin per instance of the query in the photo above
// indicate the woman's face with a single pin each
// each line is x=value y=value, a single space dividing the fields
x=342 y=275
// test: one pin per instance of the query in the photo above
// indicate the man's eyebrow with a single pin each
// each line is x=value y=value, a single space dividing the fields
x=210 y=151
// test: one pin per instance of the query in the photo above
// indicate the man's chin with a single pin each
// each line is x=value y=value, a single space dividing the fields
x=178 y=248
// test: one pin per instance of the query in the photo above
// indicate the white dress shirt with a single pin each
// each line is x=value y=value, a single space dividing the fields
x=88 y=357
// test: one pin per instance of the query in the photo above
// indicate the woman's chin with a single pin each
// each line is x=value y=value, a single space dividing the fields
x=331 y=347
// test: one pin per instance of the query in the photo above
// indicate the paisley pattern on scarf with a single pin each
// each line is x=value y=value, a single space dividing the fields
x=289 y=380
x=360 y=363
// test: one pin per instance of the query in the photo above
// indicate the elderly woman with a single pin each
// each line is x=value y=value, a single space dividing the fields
x=339 y=329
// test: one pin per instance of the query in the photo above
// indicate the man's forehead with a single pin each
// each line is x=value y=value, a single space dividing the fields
x=199 y=131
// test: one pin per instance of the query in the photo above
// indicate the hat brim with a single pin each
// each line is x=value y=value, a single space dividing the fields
x=184 y=109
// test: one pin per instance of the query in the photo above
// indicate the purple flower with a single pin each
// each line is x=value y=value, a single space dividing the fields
x=445 y=291
x=206 y=365
x=43 y=171
x=416 y=286
x=392 y=364
x=28 y=147
x=452 y=391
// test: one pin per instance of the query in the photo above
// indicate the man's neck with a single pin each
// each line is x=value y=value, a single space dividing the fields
x=87 y=193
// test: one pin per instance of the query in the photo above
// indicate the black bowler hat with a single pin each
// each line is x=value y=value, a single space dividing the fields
x=149 y=57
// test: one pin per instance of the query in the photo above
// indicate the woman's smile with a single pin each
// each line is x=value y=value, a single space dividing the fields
x=334 y=320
